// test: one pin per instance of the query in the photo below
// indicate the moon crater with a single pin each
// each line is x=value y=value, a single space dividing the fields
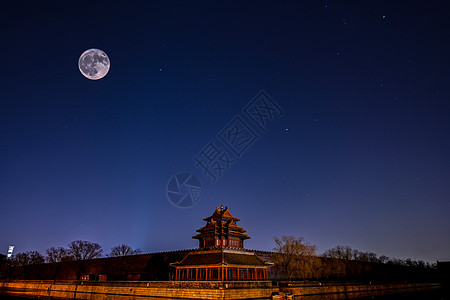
x=94 y=64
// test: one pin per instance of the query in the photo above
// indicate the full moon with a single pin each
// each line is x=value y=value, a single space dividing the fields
x=94 y=64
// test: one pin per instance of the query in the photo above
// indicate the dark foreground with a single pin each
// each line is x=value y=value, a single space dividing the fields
x=438 y=294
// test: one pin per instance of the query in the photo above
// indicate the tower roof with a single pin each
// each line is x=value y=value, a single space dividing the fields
x=222 y=257
x=221 y=213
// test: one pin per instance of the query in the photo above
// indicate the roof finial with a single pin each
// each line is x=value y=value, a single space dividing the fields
x=221 y=207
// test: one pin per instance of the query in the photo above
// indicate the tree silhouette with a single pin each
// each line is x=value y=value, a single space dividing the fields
x=28 y=258
x=296 y=257
x=123 y=250
x=83 y=250
x=122 y=263
x=56 y=255
x=24 y=260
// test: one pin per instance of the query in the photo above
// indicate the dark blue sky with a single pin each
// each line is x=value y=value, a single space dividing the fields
x=360 y=156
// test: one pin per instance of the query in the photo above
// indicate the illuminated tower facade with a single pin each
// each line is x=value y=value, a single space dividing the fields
x=221 y=255
x=221 y=230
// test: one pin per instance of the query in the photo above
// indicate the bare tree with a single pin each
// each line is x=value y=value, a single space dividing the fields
x=36 y=258
x=295 y=256
x=21 y=259
x=347 y=253
x=55 y=255
x=365 y=256
x=340 y=252
x=28 y=258
x=27 y=264
x=123 y=250
x=83 y=250
x=121 y=262
x=383 y=259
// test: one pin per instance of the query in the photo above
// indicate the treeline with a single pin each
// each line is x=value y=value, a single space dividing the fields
x=76 y=250
x=347 y=253
x=29 y=264
x=149 y=267
x=297 y=259
x=293 y=258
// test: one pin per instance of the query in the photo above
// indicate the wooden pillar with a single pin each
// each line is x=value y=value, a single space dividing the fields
x=238 y=273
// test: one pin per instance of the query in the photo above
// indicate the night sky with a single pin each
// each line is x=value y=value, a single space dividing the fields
x=357 y=154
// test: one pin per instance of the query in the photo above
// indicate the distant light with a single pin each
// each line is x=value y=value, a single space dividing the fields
x=384 y=17
x=10 y=251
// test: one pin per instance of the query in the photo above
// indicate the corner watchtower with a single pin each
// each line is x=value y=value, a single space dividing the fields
x=221 y=230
